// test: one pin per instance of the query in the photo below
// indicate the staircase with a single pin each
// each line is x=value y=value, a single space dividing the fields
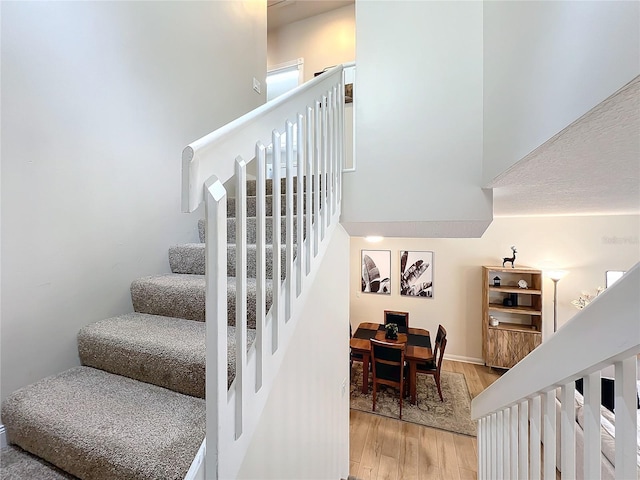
x=135 y=409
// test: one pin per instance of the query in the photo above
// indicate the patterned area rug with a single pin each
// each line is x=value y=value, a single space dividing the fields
x=454 y=414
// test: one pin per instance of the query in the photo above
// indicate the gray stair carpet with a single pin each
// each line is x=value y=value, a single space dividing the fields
x=168 y=352
x=183 y=296
x=96 y=425
x=16 y=464
x=252 y=209
x=135 y=409
x=251 y=229
x=189 y=258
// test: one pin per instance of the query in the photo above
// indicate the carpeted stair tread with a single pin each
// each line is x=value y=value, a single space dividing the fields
x=168 y=352
x=96 y=425
x=252 y=209
x=183 y=296
x=251 y=229
x=17 y=464
x=164 y=351
x=188 y=258
x=251 y=185
x=170 y=295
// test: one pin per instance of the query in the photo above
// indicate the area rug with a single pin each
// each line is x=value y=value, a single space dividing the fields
x=454 y=414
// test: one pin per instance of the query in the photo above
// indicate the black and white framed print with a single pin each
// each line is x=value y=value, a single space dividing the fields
x=416 y=274
x=376 y=271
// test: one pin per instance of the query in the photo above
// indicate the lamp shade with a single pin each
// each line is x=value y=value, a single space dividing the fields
x=555 y=275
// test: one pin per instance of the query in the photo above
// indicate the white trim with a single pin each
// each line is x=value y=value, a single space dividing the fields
x=196 y=471
x=3 y=437
x=460 y=358
x=285 y=65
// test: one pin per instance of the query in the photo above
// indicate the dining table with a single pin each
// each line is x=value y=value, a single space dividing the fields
x=417 y=350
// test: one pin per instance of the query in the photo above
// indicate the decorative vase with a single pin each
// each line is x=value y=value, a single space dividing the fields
x=391 y=331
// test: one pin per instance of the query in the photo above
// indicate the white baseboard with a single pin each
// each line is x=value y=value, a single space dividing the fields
x=3 y=436
x=460 y=358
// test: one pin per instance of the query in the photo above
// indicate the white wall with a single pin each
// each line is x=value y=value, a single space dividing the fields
x=98 y=101
x=304 y=429
x=585 y=246
x=322 y=40
x=546 y=64
x=418 y=121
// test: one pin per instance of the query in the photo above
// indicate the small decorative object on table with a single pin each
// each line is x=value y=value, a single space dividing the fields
x=392 y=331
x=496 y=281
x=510 y=259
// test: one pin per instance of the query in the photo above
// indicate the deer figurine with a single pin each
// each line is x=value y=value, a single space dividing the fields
x=510 y=259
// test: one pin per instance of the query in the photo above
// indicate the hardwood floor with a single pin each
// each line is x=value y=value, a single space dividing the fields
x=386 y=448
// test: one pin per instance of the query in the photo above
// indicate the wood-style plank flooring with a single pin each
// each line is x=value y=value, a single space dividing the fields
x=386 y=448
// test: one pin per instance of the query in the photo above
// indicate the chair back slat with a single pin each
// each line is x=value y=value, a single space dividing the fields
x=399 y=318
x=388 y=366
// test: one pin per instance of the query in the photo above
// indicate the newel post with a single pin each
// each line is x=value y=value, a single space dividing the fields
x=216 y=318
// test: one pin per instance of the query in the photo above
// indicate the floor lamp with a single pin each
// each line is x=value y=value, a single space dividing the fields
x=555 y=276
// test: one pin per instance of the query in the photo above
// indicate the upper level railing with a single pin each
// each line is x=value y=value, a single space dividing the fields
x=518 y=412
x=313 y=114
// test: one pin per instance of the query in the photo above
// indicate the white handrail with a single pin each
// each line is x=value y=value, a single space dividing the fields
x=233 y=413
x=605 y=333
x=215 y=152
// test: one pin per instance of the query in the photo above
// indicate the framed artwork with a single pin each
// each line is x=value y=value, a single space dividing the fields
x=416 y=274
x=376 y=271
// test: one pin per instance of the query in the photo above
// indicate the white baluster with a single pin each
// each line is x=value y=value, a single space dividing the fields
x=506 y=426
x=325 y=154
x=493 y=445
x=310 y=174
x=568 y=431
x=277 y=241
x=550 y=434
x=261 y=260
x=288 y=283
x=241 y=288
x=216 y=317
x=334 y=151
x=317 y=141
x=523 y=441
x=300 y=171
x=329 y=155
x=481 y=449
x=500 y=442
x=513 y=437
x=592 y=398
x=626 y=418
x=323 y=169
x=534 y=437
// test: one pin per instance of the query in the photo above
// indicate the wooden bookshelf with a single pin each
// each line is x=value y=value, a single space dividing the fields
x=520 y=325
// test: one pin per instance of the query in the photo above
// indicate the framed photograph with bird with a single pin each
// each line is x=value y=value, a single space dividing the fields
x=416 y=274
x=376 y=271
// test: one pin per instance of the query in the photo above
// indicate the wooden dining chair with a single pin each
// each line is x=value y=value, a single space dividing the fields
x=399 y=318
x=353 y=356
x=388 y=367
x=434 y=366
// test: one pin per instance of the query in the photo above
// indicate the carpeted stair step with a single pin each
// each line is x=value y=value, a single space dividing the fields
x=251 y=229
x=188 y=258
x=16 y=464
x=251 y=206
x=183 y=296
x=97 y=425
x=165 y=351
x=251 y=185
